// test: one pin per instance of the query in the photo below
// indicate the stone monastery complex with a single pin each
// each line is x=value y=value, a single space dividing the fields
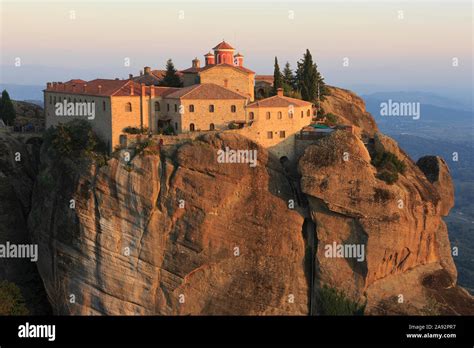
x=215 y=97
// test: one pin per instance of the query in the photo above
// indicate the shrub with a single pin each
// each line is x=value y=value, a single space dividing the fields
x=331 y=301
x=381 y=195
x=388 y=166
x=135 y=130
x=331 y=119
x=74 y=141
x=11 y=300
x=168 y=131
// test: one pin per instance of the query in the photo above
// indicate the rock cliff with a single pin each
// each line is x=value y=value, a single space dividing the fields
x=172 y=231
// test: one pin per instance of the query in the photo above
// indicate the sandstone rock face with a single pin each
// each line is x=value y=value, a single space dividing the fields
x=400 y=225
x=16 y=184
x=173 y=233
x=350 y=109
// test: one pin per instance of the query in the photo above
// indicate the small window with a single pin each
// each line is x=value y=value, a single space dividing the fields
x=128 y=107
x=176 y=126
x=168 y=107
x=103 y=105
x=269 y=135
x=308 y=113
x=251 y=116
x=175 y=107
x=279 y=115
x=191 y=108
x=233 y=108
x=54 y=100
x=290 y=113
x=157 y=106
x=191 y=127
x=211 y=108
x=50 y=99
x=211 y=127
x=302 y=113
x=268 y=115
x=282 y=134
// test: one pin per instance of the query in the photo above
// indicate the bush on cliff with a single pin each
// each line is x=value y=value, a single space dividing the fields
x=11 y=300
x=388 y=166
x=75 y=141
x=331 y=301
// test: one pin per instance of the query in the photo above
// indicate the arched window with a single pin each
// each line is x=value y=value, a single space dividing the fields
x=251 y=116
x=128 y=107
x=279 y=115
x=157 y=106
x=302 y=113
x=191 y=108
x=211 y=108
x=308 y=113
x=290 y=113
x=268 y=115
x=211 y=127
x=233 y=108
x=191 y=127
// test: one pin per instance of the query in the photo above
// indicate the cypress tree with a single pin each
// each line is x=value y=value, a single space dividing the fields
x=7 y=111
x=309 y=79
x=288 y=79
x=277 y=77
x=171 y=78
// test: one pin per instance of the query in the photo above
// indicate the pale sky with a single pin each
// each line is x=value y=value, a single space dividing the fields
x=415 y=51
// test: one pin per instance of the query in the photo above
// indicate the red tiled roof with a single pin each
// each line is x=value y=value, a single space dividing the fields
x=162 y=91
x=223 y=46
x=278 y=102
x=205 y=91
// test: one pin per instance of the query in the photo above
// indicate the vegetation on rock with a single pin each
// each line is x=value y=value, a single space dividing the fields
x=331 y=301
x=11 y=300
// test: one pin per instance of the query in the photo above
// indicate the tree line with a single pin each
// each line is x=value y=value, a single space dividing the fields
x=305 y=83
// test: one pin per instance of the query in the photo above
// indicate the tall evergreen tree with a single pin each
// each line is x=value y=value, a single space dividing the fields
x=309 y=79
x=288 y=78
x=7 y=111
x=277 y=77
x=171 y=78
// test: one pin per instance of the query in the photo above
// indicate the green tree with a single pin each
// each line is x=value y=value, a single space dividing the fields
x=288 y=79
x=11 y=300
x=171 y=78
x=309 y=80
x=277 y=77
x=7 y=110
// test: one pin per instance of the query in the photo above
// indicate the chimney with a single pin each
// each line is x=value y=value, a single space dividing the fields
x=130 y=76
x=48 y=85
x=152 y=92
x=196 y=63
x=210 y=59
x=141 y=72
x=280 y=92
x=147 y=70
x=99 y=87
x=131 y=89
x=73 y=87
x=84 y=88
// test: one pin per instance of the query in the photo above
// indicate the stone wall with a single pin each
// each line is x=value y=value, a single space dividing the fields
x=237 y=80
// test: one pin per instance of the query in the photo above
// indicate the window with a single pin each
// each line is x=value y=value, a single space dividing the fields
x=279 y=115
x=50 y=99
x=176 y=126
x=211 y=108
x=191 y=108
x=54 y=100
x=211 y=127
x=268 y=115
x=282 y=134
x=103 y=105
x=157 y=106
x=167 y=107
x=302 y=113
x=128 y=107
x=290 y=113
x=269 y=135
x=191 y=127
x=308 y=113
x=251 y=116
x=233 y=108
x=175 y=107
